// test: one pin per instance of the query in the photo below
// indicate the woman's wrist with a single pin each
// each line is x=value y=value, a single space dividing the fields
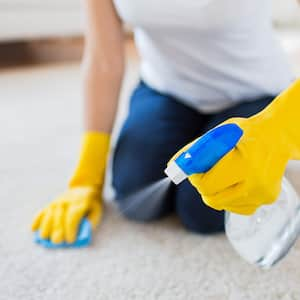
x=282 y=118
x=92 y=162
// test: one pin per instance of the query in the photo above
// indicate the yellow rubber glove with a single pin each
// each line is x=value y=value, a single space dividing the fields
x=250 y=175
x=60 y=220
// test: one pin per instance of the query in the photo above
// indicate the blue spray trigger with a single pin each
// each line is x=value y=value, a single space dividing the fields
x=209 y=149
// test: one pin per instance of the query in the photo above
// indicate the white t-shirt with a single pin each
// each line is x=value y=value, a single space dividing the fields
x=208 y=53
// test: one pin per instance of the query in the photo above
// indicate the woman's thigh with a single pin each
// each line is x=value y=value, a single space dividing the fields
x=157 y=126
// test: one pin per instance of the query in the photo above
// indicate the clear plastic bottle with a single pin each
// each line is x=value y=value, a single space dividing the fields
x=266 y=236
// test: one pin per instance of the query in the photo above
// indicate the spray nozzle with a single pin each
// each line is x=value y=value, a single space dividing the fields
x=204 y=152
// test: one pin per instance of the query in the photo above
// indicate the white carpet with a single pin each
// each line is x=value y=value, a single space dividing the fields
x=40 y=129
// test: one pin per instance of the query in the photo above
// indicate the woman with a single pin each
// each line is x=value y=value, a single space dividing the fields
x=202 y=62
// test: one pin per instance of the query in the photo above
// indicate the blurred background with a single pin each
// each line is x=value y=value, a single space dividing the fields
x=40 y=115
x=52 y=30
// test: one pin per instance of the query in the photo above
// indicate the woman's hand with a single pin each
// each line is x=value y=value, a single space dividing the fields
x=103 y=68
x=250 y=175
x=60 y=220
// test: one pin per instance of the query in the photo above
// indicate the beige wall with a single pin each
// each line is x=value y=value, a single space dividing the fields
x=286 y=12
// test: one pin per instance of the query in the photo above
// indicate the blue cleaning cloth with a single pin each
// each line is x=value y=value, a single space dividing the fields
x=84 y=238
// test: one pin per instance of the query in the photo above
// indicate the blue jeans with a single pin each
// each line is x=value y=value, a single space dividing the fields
x=156 y=128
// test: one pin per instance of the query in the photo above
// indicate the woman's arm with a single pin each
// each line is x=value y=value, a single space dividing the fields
x=103 y=64
x=250 y=175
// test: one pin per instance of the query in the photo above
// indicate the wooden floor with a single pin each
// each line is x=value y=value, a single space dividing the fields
x=47 y=51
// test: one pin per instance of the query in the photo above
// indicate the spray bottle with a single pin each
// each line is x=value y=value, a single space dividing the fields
x=263 y=238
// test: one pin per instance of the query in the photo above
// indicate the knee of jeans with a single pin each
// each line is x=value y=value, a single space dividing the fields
x=137 y=214
x=134 y=168
x=146 y=204
x=137 y=160
x=201 y=227
x=126 y=163
x=194 y=214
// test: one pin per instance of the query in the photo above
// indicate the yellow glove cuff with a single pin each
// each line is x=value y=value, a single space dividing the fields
x=91 y=167
x=283 y=115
